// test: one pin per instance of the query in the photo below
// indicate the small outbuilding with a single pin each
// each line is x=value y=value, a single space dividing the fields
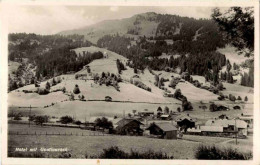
x=166 y=117
x=163 y=130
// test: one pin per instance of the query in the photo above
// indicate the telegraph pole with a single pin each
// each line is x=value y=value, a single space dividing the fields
x=30 y=117
x=236 y=129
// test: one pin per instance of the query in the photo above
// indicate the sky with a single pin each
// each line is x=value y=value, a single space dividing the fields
x=53 y=19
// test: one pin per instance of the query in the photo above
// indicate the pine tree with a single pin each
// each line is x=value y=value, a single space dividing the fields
x=246 y=99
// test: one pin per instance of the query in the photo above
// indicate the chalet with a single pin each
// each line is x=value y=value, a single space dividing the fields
x=248 y=118
x=127 y=126
x=185 y=122
x=229 y=126
x=163 y=130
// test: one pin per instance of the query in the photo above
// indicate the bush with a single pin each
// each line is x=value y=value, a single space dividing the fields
x=48 y=86
x=115 y=153
x=43 y=91
x=63 y=89
x=39 y=120
x=232 y=98
x=65 y=155
x=186 y=105
x=213 y=107
x=17 y=117
x=76 y=89
x=103 y=123
x=246 y=99
x=239 y=98
x=213 y=153
x=66 y=119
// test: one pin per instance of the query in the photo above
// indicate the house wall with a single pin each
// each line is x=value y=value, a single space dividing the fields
x=171 y=135
x=129 y=128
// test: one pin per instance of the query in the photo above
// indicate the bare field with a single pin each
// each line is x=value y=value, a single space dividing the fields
x=80 y=109
x=79 y=146
x=93 y=145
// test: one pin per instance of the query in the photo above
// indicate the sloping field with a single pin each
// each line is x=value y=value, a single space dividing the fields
x=101 y=65
x=21 y=99
x=232 y=55
x=196 y=94
x=239 y=90
x=201 y=79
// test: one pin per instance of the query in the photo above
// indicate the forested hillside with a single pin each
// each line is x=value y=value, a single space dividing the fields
x=42 y=57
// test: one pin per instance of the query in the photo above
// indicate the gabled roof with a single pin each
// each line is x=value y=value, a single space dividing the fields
x=125 y=121
x=183 y=117
x=164 y=126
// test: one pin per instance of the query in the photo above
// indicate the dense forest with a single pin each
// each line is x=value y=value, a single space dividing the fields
x=194 y=40
x=51 y=55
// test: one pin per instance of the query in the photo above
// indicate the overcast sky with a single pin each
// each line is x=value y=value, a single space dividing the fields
x=53 y=19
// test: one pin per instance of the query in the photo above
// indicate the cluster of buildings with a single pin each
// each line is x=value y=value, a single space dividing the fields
x=143 y=124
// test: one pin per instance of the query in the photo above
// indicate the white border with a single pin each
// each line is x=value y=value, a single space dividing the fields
x=41 y=161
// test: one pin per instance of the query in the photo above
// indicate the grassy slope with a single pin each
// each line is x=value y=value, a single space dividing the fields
x=128 y=92
x=93 y=32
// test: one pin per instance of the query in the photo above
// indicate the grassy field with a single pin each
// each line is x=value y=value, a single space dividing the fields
x=93 y=145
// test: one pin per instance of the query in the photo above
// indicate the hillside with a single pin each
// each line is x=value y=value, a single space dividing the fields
x=146 y=24
x=130 y=96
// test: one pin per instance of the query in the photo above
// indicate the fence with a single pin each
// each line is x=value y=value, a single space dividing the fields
x=60 y=134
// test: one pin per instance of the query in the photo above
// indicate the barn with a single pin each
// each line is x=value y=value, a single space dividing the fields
x=185 y=122
x=127 y=126
x=163 y=130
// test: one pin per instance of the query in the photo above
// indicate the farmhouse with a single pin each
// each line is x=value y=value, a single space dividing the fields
x=127 y=126
x=229 y=126
x=248 y=118
x=185 y=122
x=163 y=130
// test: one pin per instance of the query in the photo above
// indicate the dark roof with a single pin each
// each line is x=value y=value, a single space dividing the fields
x=183 y=117
x=164 y=126
x=125 y=121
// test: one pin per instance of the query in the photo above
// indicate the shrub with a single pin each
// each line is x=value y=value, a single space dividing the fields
x=103 y=123
x=246 y=99
x=186 y=105
x=43 y=91
x=36 y=154
x=65 y=154
x=115 y=153
x=17 y=117
x=239 y=98
x=78 y=122
x=232 y=98
x=63 y=89
x=76 y=89
x=39 y=120
x=213 y=107
x=48 y=86
x=213 y=153
x=66 y=119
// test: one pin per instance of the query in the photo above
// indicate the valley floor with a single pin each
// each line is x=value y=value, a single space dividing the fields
x=79 y=146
